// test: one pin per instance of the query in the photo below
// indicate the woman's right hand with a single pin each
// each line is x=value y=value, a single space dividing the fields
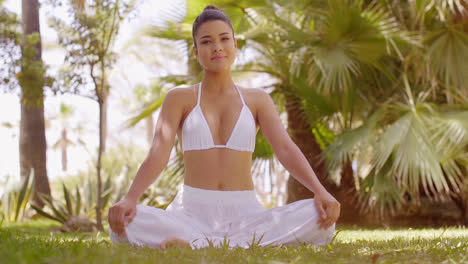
x=121 y=214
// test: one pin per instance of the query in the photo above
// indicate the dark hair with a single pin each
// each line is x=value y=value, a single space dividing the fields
x=210 y=12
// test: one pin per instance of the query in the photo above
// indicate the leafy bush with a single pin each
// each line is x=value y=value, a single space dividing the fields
x=79 y=202
x=75 y=195
x=14 y=201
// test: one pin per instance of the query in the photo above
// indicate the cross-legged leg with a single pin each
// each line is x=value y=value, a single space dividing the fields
x=291 y=224
x=151 y=226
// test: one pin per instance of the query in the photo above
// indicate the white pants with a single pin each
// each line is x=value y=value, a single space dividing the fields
x=235 y=217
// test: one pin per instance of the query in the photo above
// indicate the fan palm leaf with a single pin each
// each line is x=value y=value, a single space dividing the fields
x=350 y=36
x=447 y=54
x=411 y=144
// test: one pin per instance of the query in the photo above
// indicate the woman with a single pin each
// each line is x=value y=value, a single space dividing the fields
x=217 y=122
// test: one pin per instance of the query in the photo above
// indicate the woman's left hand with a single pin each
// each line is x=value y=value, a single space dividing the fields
x=328 y=208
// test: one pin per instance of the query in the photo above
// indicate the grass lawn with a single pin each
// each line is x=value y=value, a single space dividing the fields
x=33 y=242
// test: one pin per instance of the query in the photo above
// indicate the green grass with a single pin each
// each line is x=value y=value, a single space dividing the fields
x=34 y=242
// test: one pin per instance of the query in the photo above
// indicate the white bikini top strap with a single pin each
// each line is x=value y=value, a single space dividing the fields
x=238 y=91
x=199 y=94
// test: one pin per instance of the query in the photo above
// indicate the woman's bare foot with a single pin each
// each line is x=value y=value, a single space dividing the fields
x=174 y=242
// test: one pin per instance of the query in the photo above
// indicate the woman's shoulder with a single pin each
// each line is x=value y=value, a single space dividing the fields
x=255 y=98
x=254 y=95
x=252 y=91
x=182 y=90
x=182 y=93
x=182 y=97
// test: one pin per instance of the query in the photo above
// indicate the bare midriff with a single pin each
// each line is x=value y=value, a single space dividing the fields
x=218 y=169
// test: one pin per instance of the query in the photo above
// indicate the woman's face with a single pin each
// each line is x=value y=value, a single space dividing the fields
x=216 y=47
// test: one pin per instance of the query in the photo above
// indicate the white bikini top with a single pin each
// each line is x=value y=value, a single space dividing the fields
x=196 y=134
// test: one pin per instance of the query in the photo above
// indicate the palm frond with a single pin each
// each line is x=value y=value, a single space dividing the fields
x=447 y=54
x=145 y=112
x=410 y=145
x=173 y=31
x=346 y=37
x=379 y=193
x=349 y=142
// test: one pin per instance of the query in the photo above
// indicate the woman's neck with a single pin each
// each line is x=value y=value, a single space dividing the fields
x=217 y=83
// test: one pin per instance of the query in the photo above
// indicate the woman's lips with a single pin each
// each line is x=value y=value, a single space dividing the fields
x=218 y=57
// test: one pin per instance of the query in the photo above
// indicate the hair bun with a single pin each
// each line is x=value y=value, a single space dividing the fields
x=211 y=7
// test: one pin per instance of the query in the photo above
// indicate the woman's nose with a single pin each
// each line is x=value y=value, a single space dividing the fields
x=217 y=47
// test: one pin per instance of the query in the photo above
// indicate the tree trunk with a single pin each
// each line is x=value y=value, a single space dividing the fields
x=98 y=168
x=64 y=145
x=32 y=143
x=461 y=200
x=302 y=135
x=347 y=195
x=103 y=120
x=102 y=100
x=33 y=150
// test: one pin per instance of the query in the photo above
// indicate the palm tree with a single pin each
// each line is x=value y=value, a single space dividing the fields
x=64 y=116
x=33 y=144
x=351 y=75
x=65 y=113
x=334 y=63
x=388 y=137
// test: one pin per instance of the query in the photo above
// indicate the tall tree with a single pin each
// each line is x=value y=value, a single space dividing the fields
x=33 y=144
x=89 y=42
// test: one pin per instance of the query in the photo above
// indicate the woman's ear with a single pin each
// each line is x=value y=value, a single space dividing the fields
x=195 y=50
x=235 y=43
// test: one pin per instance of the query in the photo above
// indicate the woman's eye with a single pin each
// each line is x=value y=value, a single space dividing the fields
x=225 y=38
x=206 y=41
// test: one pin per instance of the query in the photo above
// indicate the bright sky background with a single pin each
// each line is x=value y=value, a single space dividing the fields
x=127 y=73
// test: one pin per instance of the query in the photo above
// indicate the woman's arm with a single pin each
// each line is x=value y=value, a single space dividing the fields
x=122 y=213
x=163 y=141
x=294 y=161
x=284 y=148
